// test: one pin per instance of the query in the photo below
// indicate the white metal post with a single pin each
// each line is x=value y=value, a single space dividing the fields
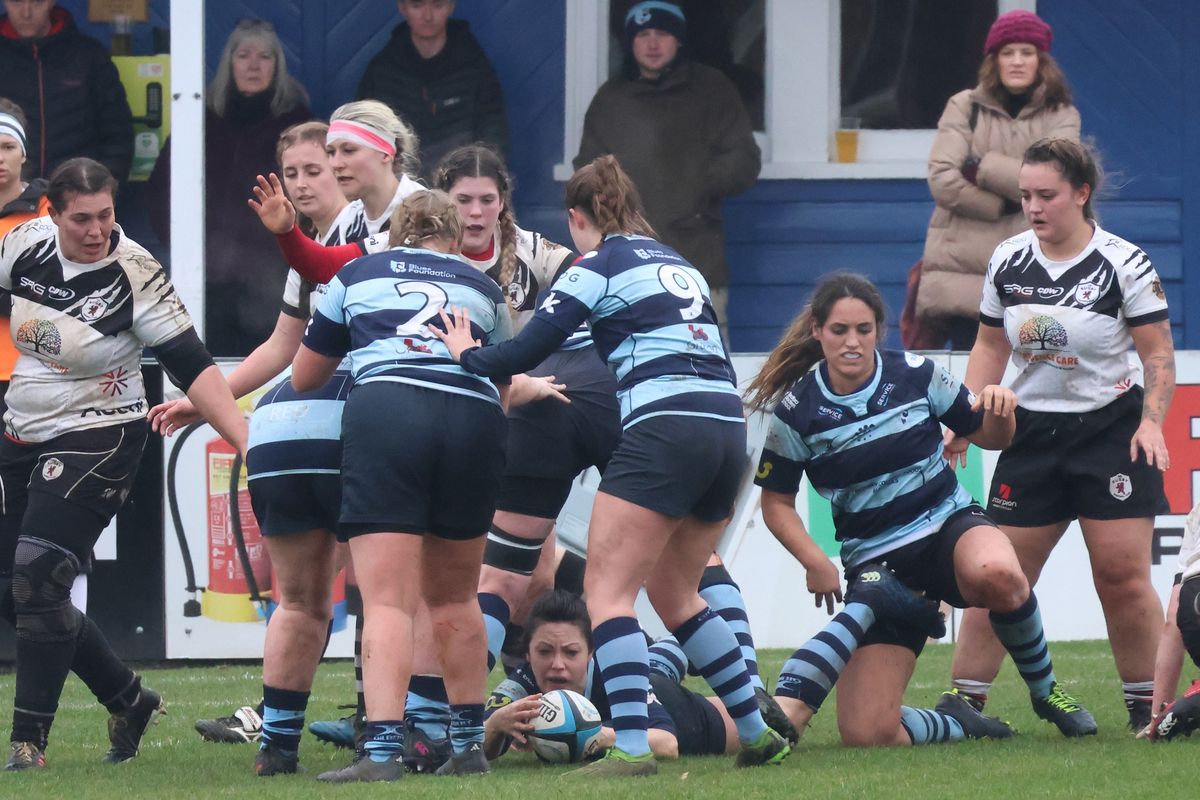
x=187 y=155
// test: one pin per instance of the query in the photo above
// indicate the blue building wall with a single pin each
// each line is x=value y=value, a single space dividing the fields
x=1124 y=58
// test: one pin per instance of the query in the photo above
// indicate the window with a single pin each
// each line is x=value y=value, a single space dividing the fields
x=806 y=60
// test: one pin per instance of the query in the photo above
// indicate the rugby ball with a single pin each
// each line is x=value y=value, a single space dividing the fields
x=566 y=728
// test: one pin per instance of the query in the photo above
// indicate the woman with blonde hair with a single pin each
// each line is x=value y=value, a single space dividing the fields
x=251 y=100
x=1021 y=97
x=416 y=522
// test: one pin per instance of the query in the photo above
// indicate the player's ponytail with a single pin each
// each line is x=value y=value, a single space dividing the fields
x=425 y=215
x=798 y=350
x=603 y=192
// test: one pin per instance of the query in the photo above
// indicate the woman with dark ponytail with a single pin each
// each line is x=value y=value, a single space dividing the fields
x=670 y=485
x=865 y=425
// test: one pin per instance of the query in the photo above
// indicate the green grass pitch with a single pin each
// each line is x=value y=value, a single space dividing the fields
x=174 y=763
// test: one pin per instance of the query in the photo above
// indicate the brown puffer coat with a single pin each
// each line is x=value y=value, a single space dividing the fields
x=969 y=221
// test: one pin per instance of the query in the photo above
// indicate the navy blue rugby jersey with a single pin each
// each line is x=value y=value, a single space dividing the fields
x=377 y=309
x=875 y=454
x=653 y=323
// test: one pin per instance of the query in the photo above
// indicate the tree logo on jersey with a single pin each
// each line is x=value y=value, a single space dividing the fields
x=1120 y=487
x=114 y=382
x=52 y=469
x=1042 y=333
x=41 y=336
x=1087 y=292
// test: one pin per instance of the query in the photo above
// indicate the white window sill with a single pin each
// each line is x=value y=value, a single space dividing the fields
x=817 y=170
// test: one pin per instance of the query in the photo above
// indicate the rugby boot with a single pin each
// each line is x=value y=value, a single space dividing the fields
x=125 y=728
x=242 y=726
x=617 y=764
x=272 y=761
x=1065 y=712
x=365 y=770
x=421 y=753
x=773 y=715
x=343 y=732
x=25 y=755
x=878 y=588
x=1179 y=718
x=768 y=749
x=471 y=761
x=1141 y=712
x=975 y=725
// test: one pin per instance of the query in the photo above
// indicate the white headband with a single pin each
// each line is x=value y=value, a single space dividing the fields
x=9 y=126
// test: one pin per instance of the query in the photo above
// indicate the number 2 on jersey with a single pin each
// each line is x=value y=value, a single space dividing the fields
x=678 y=282
x=435 y=300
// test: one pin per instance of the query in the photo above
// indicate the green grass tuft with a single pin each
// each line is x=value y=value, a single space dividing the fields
x=1037 y=763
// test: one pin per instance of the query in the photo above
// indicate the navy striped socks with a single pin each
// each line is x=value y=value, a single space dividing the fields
x=711 y=646
x=621 y=655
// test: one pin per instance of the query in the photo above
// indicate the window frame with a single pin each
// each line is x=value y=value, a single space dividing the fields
x=797 y=144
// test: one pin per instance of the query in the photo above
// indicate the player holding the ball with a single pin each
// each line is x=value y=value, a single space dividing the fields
x=528 y=709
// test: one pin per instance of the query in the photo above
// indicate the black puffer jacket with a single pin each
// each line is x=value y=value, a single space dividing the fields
x=450 y=100
x=69 y=90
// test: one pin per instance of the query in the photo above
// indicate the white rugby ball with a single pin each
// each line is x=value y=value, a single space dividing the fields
x=566 y=728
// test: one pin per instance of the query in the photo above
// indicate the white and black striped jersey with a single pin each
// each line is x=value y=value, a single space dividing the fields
x=364 y=226
x=80 y=330
x=1068 y=321
x=1189 y=549
x=539 y=262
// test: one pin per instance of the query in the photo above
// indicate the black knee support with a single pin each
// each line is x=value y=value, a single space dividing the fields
x=43 y=574
x=511 y=553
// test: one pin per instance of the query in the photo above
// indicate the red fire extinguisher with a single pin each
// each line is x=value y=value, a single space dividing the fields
x=228 y=596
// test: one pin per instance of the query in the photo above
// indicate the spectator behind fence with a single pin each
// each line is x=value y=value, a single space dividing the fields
x=68 y=87
x=434 y=74
x=251 y=100
x=682 y=133
x=1022 y=96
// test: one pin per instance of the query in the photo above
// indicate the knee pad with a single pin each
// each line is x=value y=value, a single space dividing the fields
x=43 y=574
x=511 y=553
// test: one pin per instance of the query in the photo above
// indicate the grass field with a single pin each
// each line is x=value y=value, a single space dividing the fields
x=1038 y=763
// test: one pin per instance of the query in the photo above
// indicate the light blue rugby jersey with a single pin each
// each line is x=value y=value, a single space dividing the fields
x=377 y=308
x=294 y=432
x=875 y=454
x=652 y=321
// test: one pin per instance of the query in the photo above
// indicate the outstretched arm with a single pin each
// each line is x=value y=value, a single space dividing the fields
x=311 y=259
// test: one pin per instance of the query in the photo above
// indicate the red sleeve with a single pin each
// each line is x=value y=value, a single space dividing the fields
x=312 y=260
